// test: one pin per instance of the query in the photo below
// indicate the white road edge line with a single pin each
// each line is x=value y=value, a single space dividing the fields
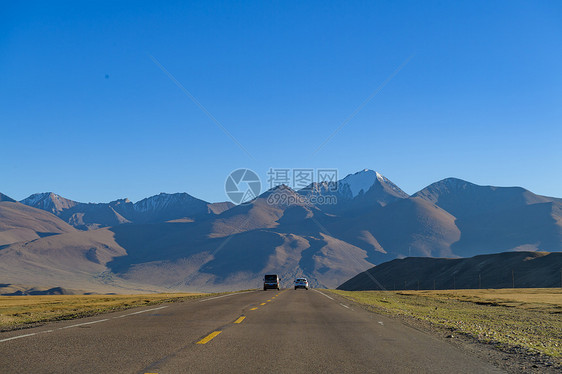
x=85 y=323
x=17 y=337
x=230 y=294
x=345 y=306
x=81 y=324
x=323 y=294
x=141 y=311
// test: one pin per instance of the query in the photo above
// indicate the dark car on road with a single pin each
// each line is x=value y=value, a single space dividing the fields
x=270 y=281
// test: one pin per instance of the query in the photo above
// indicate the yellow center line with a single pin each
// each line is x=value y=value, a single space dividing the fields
x=262 y=304
x=268 y=301
x=209 y=337
x=253 y=308
x=240 y=319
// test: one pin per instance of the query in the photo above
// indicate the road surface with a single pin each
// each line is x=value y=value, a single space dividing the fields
x=284 y=331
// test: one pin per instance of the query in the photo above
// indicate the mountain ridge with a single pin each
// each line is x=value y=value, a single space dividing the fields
x=184 y=243
x=157 y=208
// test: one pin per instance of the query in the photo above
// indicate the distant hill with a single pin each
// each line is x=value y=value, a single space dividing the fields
x=20 y=223
x=493 y=219
x=501 y=270
x=75 y=260
x=19 y=290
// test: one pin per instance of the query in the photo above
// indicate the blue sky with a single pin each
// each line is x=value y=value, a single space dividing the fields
x=86 y=113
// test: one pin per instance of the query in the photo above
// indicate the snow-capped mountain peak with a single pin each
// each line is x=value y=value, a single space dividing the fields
x=48 y=201
x=34 y=199
x=361 y=181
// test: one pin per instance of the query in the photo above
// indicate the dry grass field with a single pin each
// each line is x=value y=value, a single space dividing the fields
x=528 y=320
x=541 y=299
x=22 y=311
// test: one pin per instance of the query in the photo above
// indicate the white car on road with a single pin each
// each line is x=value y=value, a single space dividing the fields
x=301 y=283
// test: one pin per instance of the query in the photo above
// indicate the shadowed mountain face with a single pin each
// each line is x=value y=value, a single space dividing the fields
x=408 y=227
x=6 y=198
x=177 y=242
x=502 y=270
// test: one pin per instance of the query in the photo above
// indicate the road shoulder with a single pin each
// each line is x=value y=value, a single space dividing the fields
x=515 y=361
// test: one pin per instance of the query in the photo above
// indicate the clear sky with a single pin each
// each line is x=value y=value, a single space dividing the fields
x=469 y=89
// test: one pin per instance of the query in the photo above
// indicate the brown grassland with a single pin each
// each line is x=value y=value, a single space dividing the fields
x=26 y=311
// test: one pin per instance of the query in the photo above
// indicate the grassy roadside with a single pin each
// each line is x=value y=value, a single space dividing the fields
x=26 y=311
x=515 y=319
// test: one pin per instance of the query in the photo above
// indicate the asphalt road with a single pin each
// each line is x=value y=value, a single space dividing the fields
x=281 y=332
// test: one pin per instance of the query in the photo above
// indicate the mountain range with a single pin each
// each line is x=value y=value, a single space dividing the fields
x=158 y=208
x=329 y=232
